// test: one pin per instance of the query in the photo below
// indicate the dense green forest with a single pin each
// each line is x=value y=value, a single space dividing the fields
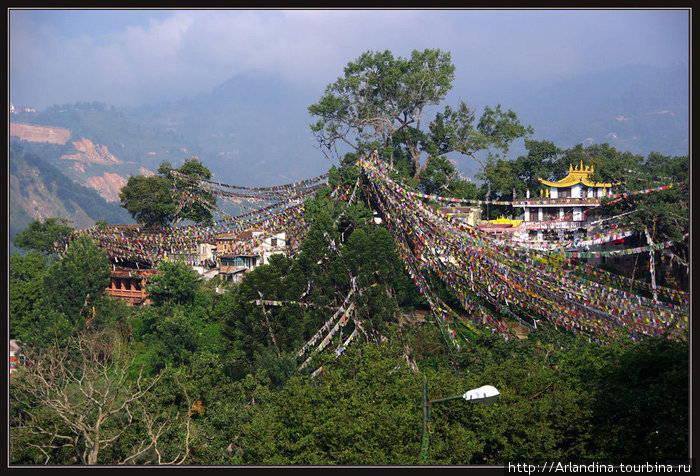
x=197 y=378
x=207 y=376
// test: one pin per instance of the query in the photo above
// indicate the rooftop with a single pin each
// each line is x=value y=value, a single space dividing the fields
x=577 y=175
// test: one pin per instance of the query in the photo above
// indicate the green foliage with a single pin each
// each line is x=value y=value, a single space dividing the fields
x=664 y=214
x=149 y=200
x=640 y=411
x=197 y=211
x=380 y=103
x=543 y=161
x=175 y=283
x=153 y=201
x=440 y=177
x=26 y=283
x=53 y=302
x=44 y=236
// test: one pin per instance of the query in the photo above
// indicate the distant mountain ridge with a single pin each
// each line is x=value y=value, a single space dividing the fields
x=255 y=130
x=250 y=130
x=634 y=108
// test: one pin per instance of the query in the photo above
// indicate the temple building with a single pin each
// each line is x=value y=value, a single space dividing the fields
x=561 y=207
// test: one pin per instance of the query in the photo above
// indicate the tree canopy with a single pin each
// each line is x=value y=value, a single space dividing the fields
x=44 y=236
x=383 y=102
x=160 y=200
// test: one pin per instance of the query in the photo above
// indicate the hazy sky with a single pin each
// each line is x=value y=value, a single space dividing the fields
x=131 y=57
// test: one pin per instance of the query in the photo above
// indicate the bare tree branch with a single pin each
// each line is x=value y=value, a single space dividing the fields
x=83 y=386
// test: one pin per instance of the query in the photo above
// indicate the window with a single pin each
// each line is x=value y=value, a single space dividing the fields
x=564 y=192
x=273 y=241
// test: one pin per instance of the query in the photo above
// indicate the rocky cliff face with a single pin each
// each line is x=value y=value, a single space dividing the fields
x=38 y=190
x=108 y=185
x=87 y=153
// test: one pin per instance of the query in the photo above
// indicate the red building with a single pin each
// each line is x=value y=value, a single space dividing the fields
x=130 y=285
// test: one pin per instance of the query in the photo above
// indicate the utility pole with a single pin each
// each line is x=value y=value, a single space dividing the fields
x=426 y=417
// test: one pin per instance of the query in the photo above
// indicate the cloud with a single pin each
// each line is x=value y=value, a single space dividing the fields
x=126 y=58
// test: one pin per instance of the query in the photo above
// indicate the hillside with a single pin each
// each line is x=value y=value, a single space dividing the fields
x=39 y=190
x=96 y=146
x=50 y=135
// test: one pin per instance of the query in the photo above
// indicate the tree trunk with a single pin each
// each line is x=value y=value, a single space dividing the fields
x=416 y=177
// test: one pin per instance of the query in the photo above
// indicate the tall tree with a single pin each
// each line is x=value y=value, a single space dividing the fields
x=26 y=280
x=175 y=283
x=70 y=288
x=185 y=184
x=78 y=278
x=160 y=200
x=382 y=102
x=149 y=200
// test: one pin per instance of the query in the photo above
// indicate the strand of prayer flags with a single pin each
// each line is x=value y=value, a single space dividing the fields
x=625 y=252
x=572 y=245
x=674 y=294
x=341 y=348
x=327 y=325
x=294 y=185
x=327 y=340
x=579 y=309
x=358 y=329
x=155 y=246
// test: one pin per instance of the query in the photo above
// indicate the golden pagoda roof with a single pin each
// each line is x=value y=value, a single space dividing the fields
x=576 y=175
